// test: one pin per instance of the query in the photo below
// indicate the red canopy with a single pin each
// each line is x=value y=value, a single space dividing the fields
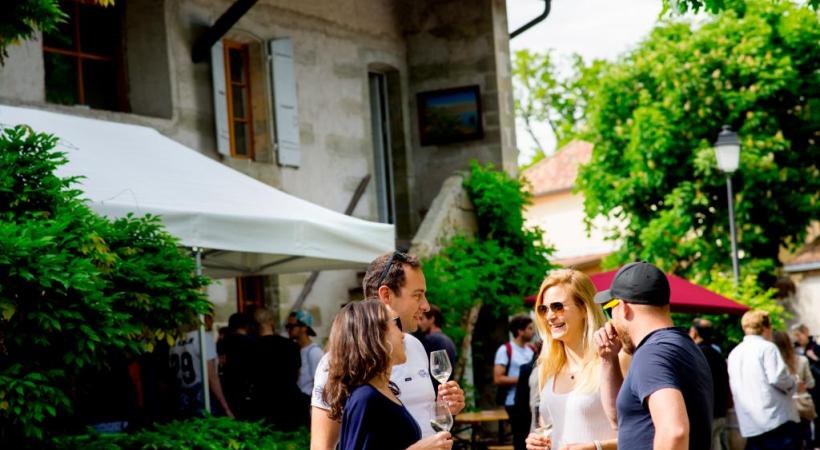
x=685 y=297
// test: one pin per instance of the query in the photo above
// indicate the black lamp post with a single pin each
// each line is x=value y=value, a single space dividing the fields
x=727 y=151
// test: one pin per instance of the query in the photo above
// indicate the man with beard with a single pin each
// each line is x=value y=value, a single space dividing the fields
x=665 y=401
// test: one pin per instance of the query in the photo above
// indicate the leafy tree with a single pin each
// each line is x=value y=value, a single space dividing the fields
x=497 y=268
x=715 y=6
x=22 y=18
x=655 y=114
x=543 y=96
x=76 y=291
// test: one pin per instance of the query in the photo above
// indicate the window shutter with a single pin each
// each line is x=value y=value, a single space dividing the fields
x=223 y=134
x=284 y=95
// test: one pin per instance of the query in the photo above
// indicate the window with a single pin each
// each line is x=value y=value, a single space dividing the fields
x=238 y=81
x=250 y=293
x=83 y=58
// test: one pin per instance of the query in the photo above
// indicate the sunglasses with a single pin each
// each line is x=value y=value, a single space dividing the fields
x=555 y=307
x=396 y=256
x=607 y=307
x=398 y=323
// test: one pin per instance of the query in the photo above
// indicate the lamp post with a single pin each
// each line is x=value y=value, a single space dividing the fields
x=727 y=151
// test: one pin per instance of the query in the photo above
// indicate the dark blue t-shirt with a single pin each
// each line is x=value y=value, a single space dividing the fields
x=371 y=421
x=666 y=358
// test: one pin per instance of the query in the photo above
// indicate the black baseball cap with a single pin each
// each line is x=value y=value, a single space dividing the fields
x=638 y=282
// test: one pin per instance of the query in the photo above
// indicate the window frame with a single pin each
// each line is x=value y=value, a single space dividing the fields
x=78 y=55
x=245 y=300
x=227 y=46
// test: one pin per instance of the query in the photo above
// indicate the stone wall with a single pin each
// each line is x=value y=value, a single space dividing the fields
x=450 y=214
x=455 y=43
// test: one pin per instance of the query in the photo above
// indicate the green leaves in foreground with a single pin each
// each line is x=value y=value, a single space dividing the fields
x=207 y=433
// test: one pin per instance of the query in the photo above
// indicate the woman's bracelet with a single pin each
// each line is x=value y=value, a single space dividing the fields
x=597 y=445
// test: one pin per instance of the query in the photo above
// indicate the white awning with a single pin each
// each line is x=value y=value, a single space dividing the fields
x=245 y=226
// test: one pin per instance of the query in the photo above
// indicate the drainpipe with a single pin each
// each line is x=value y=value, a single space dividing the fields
x=533 y=22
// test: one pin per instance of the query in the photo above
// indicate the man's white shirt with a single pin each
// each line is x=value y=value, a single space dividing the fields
x=761 y=386
x=412 y=378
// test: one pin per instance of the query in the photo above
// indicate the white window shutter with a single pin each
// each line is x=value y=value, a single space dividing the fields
x=284 y=95
x=223 y=133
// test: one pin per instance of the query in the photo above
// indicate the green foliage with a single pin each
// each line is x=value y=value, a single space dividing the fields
x=748 y=292
x=716 y=6
x=207 y=433
x=654 y=117
x=500 y=266
x=541 y=95
x=76 y=290
x=21 y=18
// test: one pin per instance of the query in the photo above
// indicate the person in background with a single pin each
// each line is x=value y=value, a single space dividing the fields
x=808 y=347
x=300 y=329
x=509 y=358
x=365 y=342
x=238 y=347
x=184 y=364
x=276 y=361
x=701 y=333
x=762 y=388
x=665 y=401
x=798 y=366
x=433 y=338
x=570 y=366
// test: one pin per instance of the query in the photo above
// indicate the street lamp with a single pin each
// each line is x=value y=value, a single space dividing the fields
x=727 y=151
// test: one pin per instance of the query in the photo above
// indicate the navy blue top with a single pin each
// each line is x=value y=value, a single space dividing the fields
x=666 y=358
x=371 y=421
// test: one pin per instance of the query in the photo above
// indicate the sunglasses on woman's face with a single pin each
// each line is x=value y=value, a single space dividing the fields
x=398 y=323
x=555 y=307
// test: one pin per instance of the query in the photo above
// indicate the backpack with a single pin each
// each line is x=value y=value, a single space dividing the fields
x=501 y=391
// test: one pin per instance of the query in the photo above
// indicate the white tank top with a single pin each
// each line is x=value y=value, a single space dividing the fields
x=576 y=417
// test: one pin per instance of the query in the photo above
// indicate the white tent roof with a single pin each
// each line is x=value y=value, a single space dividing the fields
x=245 y=226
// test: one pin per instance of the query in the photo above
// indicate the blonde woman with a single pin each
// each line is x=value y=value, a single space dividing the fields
x=569 y=366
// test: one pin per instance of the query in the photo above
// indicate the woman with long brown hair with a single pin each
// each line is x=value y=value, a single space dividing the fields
x=365 y=343
x=798 y=367
x=569 y=368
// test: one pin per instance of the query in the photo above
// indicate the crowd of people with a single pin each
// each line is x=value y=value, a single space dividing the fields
x=605 y=370
x=611 y=371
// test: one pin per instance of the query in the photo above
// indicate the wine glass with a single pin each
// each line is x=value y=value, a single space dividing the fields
x=440 y=417
x=440 y=367
x=542 y=428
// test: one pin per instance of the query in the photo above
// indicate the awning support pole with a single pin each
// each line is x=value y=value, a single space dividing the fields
x=203 y=356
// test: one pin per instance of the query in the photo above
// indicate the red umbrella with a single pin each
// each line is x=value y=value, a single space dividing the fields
x=685 y=297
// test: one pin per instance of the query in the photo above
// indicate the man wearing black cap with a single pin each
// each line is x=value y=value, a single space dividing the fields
x=665 y=401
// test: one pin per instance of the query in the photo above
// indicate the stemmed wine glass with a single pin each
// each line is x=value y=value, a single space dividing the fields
x=541 y=428
x=440 y=367
x=440 y=417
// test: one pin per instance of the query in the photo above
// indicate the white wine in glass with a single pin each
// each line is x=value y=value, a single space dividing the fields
x=440 y=417
x=440 y=367
x=542 y=429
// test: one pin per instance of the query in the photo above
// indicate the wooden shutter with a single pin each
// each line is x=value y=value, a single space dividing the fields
x=223 y=134
x=286 y=109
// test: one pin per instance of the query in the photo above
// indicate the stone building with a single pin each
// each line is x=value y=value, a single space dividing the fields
x=307 y=96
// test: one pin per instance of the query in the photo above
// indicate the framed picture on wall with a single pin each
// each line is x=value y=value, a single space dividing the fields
x=450 y=115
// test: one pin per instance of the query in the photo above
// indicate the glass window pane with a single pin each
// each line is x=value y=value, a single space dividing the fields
x=239 y=101
x=241 y=144
x=63 y=35
x=236 y=60
x=100 y=84
x=61 y=78
x=99 y=30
